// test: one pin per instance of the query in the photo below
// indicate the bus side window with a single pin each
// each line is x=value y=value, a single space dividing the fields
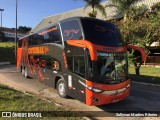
x=30 y=41
x=71 y=30
x=54 y=35
x=34 y=40
x=40 y=39
x=77 y=65
x=20 y=43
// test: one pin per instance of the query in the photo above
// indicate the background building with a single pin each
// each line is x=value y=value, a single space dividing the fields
x=154 y=56
x=111 y=14
x=9 y=35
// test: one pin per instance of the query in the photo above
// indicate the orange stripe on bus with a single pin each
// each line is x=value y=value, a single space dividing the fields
x=65 y=60
x=49 y=30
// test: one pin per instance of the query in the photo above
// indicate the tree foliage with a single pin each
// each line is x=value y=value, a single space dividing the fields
x=95 y=5
x=2 y=37
x=141 y=29
x=24 y=29
x=124 y=7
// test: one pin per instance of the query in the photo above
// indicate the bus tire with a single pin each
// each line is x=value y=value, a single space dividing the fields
x=61 y=88
x=26 y=72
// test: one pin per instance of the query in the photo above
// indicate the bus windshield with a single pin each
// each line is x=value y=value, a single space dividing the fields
x=101 y=32
x=110 y=68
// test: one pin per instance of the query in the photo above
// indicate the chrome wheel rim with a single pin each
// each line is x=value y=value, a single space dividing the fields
x=61 y=89
x=25 y=74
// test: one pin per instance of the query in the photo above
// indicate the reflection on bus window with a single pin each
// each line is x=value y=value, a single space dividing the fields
x=71 y=30
x=101 y=32
x=54 y=36
x=50 y=35
x=112 y=66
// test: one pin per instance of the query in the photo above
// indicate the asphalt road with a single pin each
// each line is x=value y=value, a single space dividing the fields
x=143 y=98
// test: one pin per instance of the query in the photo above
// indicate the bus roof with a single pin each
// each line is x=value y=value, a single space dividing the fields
x=67 y=19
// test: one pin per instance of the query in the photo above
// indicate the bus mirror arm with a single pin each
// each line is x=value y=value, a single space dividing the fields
x=140 y=49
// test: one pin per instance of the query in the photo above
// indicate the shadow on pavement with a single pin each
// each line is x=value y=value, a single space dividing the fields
x=121 y=106
x=145 y=79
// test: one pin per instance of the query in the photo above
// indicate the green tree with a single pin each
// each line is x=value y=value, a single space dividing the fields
x=124 y=7
x=2 y=37
x=141 y=30
x=24 y=29
x=95 y=5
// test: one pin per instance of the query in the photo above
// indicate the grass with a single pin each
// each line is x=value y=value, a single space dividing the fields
x=7 y=44
x=147 y=74
x=12 y=100
x=7 y=53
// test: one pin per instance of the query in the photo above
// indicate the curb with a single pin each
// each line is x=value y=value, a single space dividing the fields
x=5 y=63
x=149 y=84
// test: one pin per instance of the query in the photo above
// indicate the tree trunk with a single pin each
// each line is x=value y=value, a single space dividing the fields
x=137 y=68
x=92 y=9
x=125 y=17
x=93 y=13
x=137 y=71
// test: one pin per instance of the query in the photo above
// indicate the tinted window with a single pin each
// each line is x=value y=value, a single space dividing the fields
x=36 y=39
x=71 y=30
x=77 y=65
x=30 y=41
x=54 y=35
x=101 y=33
x=50 y=35
x=40 y=39
x=20 y=43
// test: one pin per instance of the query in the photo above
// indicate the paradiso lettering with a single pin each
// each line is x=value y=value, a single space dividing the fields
x=38 y=50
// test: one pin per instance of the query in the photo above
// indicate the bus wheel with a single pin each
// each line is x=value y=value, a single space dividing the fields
x=26 y=73
x=61 y=88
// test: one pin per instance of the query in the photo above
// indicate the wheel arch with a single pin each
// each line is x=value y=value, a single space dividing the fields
x=56 y=80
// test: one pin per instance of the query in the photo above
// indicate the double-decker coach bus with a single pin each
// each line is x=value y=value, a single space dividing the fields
x=81 y=57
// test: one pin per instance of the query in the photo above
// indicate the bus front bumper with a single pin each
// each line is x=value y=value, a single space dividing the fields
x=108 y=96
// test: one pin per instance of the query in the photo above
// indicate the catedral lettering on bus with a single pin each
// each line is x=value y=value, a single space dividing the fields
x=81 y=57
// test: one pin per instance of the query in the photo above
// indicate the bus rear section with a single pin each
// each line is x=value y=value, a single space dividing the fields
x=88 y=61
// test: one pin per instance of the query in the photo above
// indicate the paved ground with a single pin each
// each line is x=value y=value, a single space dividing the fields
x=142 y=98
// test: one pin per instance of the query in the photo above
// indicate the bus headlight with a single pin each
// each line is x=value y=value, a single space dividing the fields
x=115 y=92
x=91 y=88
x=97 y=90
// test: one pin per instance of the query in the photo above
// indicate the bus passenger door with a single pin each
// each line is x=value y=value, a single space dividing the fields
x=48 y=70
x=76 y=73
